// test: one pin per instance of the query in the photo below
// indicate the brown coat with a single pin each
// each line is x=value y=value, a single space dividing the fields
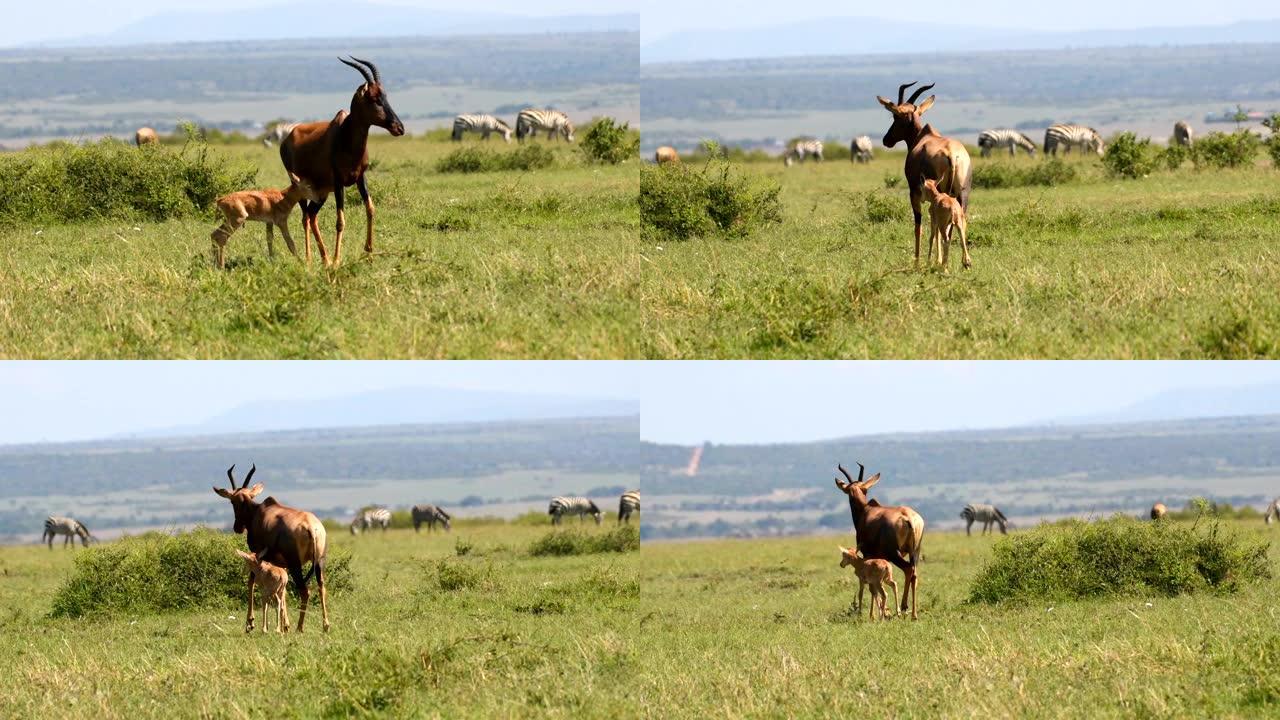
x=892 y=533
x=272 y=207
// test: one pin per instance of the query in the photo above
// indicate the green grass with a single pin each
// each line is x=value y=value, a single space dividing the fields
x=422 y=633
x=1176 y=265
x=762 y=628
x=484 y=265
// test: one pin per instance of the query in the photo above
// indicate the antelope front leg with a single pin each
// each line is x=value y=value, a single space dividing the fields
x=964 y=245
x=893 y=585
x=288 y=241
x=271 y=253
x=915 y=209
x=248 y=621
x=368 y=211
x=339 y=197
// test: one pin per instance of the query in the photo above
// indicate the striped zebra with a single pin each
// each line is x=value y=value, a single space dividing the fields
x=370 y=518
x=985 y=514
x=989 y=140
x=580 y=506
x=1273 y=511
x=627 y=504
x=277 y=133
x=1086 y=138
x=860 y=150
x=1182 y=134
x=802 y=149
x=430 y=514
x=68 y=527
x=552 y=122
x=483 y=124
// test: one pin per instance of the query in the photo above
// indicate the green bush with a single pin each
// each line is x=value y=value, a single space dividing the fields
x=609 y=143
x=110 y=179
x=1273 y=149
x=453 y=575
x=475 y=159
x=1225 y=150
x=882 y=207
x=574 y=542
x=1121 y=556
x=1128 y=157
x=679 y=202
x=1172 y=155
x=156 y=572
x=998 y=174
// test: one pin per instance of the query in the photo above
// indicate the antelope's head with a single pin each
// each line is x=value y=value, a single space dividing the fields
x=241 y=497
x=370 y=103
x=857 y=489
x=906 y=114
x=848 y=556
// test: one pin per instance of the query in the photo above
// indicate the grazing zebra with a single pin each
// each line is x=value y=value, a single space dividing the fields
x=985 y=514
x=1273 y=511
x=69 y=527
x=430 y=514
x=860 y=150
x=277 y=133
x=369 y=518
x=1182 y=134
x=1068 y=135
x=802 y=149
x=989 y=140
x=629 y=503
x=483 y=124
x=579 y=506
x=552 y=122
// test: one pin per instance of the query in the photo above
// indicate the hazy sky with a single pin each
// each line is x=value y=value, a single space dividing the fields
x=763 y=402
x=26 y=22
x=661 y=17
x=81 y=400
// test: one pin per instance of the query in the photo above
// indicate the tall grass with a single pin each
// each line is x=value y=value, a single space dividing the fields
x=475 y=159
x=575 y=542
x=679 y=202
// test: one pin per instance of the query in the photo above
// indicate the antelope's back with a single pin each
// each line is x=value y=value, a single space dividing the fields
x=306 y=152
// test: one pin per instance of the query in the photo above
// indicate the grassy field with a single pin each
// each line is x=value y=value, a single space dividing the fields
x=1176 y=265
x=424 y=633
x=761 y=628
x=488 y=265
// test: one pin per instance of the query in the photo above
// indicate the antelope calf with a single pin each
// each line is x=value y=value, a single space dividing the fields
x=273 y=581
x=272 y=207
x=945 y=213
x=146 y=136
x=1158 y=511
x=873 y=573
x=666 y=154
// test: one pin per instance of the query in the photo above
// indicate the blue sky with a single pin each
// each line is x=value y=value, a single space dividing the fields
x=79 y=400
x=661 y=17
x=763 y=402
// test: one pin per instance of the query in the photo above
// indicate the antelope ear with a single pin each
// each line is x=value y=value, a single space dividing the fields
x=888 y=104
x=256 y=490
x=870 y=482
x=923 y=107
x=246 y=555
x=223 y=492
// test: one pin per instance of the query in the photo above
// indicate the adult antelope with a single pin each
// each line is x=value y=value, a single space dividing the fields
x=930 y=156
x=281 y=536
x=1158 y=511
x=334 y=155
x=890 y=533
x=146 y=136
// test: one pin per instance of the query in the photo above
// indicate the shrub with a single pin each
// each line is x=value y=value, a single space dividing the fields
x=883 y=207
x=1273 y=149
x=156 y=572
x=1048 y=173
x=610 y=143
x=452 y=576
x=1128 y=157
x=1225 y=150
x=1172 y=155
x=474 y=159
x=462 y=547
x=892 y=181
x=110 y=179
x=680 y=202
x=603 y=587
x=1122 y=556
x=573 y=542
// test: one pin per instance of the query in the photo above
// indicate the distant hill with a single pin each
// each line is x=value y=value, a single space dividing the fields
x=336 y=19
x=846 y=36
x=1187 y=403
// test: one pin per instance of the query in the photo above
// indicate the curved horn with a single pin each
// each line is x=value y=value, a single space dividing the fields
x=920 y=92
x=862 y=469
x=364 y=73
x=232 y=477
x=903 y=88
x=249 y=477
x=377 y=76
x=844 y=472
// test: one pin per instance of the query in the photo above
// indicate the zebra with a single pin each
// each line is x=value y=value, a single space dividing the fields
x=1182 y=134
x=430 y=514
x=70 y=527
x=985 y=514
x=552 y=122
x=483 y=124
x=1067 y=135
x=1273 y=511
x=277 y=133
x=802 y=149
x=368 y=518
x=860 y=150
x=627 y=504
x=988 y=140
x=580 y=506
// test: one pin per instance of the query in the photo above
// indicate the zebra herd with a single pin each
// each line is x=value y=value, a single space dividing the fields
x=628 y=505
x=531 y=121
x=560 y=506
